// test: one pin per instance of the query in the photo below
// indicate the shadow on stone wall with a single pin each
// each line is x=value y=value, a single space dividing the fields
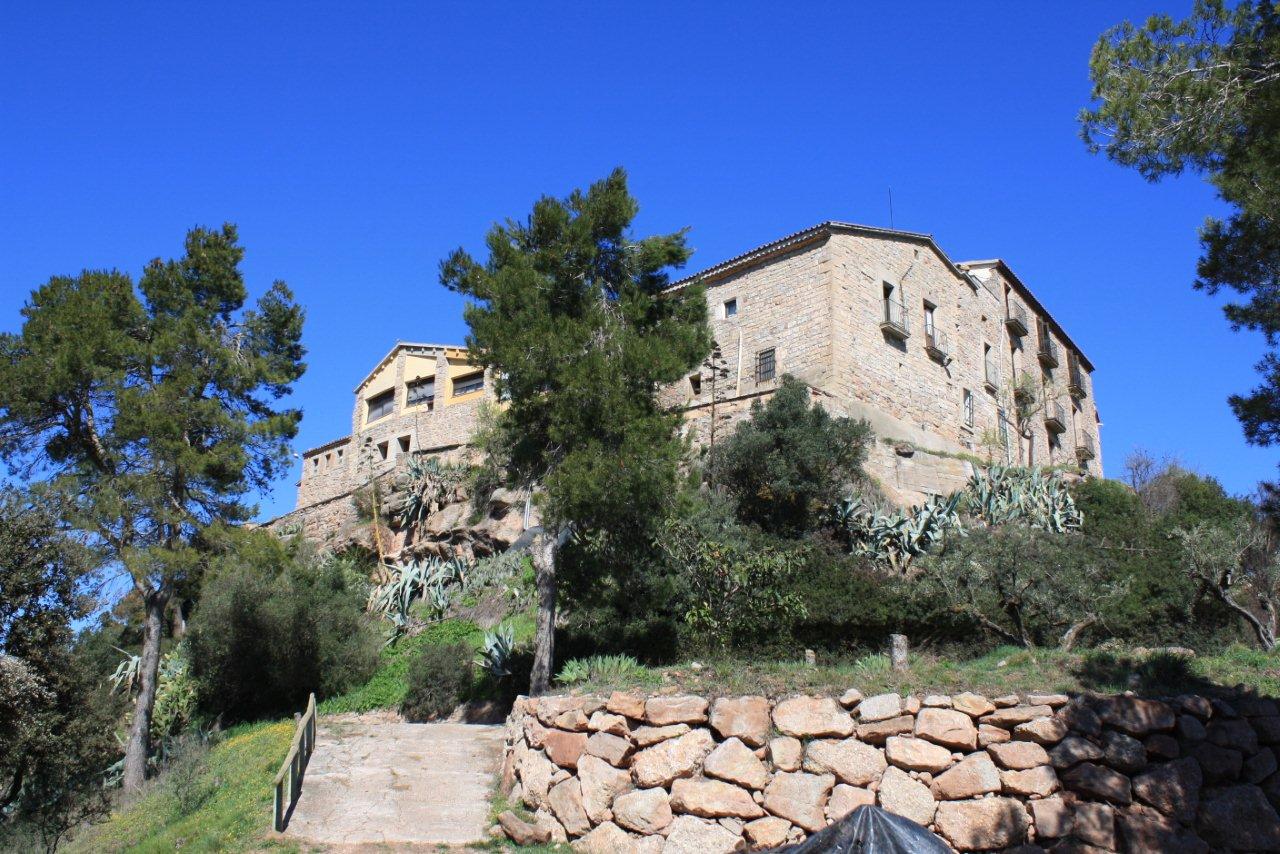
x=1191 y=772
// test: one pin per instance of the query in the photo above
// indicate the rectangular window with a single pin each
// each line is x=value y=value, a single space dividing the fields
x=695 y=384
x=765 y=365
x=989 y=367
x=928 y=319
x=1004 y=429
x=968 y=408
x=421 y=392
x=729 y=308
x=404 y=444
x=468 y=384
x=381 y=405
x=383 y=449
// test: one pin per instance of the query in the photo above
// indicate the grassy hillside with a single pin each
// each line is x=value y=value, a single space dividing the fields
x=1003 y=670
x=214 y=801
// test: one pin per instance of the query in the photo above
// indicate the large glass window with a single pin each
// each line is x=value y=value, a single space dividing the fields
x=421 y=392
x=381 y=405
x=468 y=384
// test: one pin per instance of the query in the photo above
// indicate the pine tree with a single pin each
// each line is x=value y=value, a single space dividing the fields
x=153 y=412
x=575 y=319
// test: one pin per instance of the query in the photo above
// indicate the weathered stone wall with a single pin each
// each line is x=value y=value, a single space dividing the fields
x=819 y=305
x=687 y=775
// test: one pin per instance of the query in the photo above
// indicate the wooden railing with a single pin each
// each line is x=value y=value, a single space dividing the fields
x=295 y=764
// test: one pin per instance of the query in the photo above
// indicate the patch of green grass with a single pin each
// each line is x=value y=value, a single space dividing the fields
x=232 y=811
x=1003 y=670
x=387 y=687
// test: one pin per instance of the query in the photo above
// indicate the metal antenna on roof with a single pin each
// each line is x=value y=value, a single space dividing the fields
x=891 y=207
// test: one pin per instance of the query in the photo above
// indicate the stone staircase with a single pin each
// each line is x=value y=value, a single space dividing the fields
x=380 y=784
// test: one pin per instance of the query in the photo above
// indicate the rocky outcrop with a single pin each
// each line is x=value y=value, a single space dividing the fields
x=1034 y=774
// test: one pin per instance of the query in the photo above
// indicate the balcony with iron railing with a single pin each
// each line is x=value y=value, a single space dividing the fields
x=1047 y=351
x=1016 y=319
x=1085 y=448
x=1055 y=416
x=990 y=374
x=1075 y=378
x=937 y=345
x=894 y=321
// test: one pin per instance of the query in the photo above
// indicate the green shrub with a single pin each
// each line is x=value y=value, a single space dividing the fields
x=600 y=668
x=790 y=461
x=852 y=606
x=184 y=776
x=440 y=677
x=737 y=594
x=260 y=641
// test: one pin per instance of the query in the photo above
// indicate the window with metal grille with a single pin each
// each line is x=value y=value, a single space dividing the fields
x=968 y=408
x=468 y=384
x=381 y=404
x=421 y=392
x=766 y=366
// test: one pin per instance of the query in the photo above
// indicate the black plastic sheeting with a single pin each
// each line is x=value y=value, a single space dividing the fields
x=870 y=830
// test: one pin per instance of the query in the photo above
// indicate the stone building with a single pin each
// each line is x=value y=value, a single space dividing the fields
x=420 y=398
x=940 y=357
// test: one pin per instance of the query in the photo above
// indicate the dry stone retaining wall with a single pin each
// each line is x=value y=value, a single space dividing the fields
x=1045 y=772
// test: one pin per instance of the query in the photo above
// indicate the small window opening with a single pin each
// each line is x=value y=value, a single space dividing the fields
x=766 y=365
x=968 y=408
x=695 y=384
x=383 y=449
x=404 y=444
x=730 y=308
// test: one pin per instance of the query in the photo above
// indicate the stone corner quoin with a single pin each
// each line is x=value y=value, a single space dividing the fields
x=687 y=773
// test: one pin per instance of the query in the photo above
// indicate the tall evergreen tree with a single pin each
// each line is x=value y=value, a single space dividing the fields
x=574 y=318
x=1203 y=94
x=154 y=412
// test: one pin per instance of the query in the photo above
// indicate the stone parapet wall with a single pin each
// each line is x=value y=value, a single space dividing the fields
x=1039 y=772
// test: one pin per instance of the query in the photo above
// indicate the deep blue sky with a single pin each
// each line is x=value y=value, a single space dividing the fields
x=355 y=144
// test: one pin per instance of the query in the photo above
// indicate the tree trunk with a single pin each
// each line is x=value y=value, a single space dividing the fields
x=545 y=547
x=136 y=749
x=1071 y=635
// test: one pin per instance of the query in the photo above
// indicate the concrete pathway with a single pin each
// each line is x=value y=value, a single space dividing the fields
x=378 y=784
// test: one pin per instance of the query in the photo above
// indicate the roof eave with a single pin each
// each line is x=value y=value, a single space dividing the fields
x=1006 y=270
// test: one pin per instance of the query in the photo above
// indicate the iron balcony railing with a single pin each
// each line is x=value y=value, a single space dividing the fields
x=990 y=375
x=1075 y=378
x=935 y=341
x=1016 y=319
x=1055 y=416
x=1085 y=448
x=1048 y=349
x=894 y=321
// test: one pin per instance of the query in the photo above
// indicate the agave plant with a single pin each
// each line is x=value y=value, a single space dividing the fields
x=127 y=672
x=495 y=655
x=1017 y=494
x=898 y=539
x=431 y=482
x=426 y=579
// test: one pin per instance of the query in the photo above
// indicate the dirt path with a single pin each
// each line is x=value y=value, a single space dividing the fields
x=379 y=784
